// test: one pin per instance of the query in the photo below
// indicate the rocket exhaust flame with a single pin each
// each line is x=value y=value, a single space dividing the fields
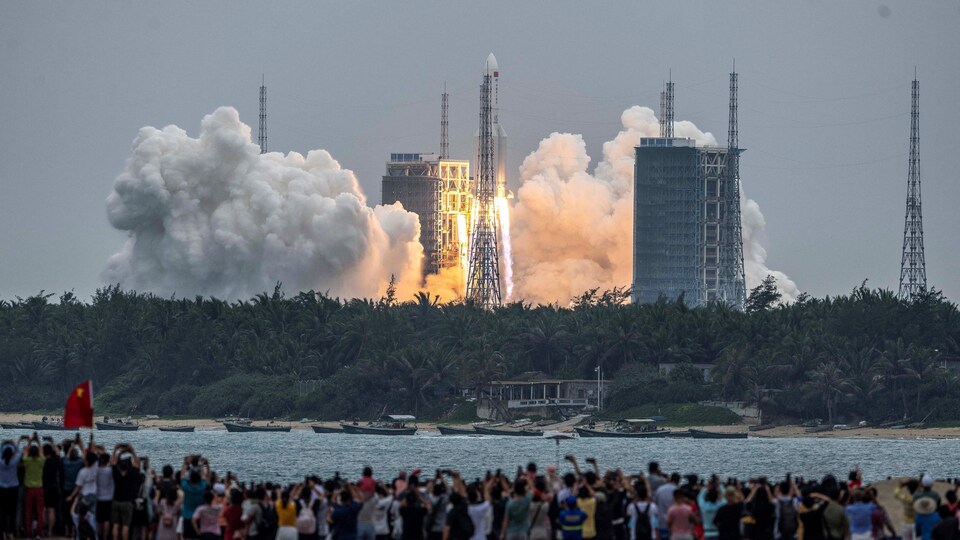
x=503 y=214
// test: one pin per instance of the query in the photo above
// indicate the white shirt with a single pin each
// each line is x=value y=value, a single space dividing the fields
x=87 y=480
x=481 y=514
x=105 y=483
x=380 y=523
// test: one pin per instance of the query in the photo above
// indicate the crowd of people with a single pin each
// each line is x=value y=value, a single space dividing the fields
x=91 y=492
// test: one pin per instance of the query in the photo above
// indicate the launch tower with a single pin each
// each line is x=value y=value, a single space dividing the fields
x=483 y=266
x=686 y=224
x=913 y=266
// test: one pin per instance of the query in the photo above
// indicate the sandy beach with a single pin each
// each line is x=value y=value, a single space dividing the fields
x=774 y=433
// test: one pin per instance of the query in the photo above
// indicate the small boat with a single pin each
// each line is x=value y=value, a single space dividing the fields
x=450 y=430
x=177 y=429
x=558 y=436
x=326 y=429
x=701 y=434
x=818 y=429
x=48 y=426
x=116 y=426
x=761 y=427
x=509 y=432
x=17 y=425
x=631 y=428
x=388 y=424
x=246 y=427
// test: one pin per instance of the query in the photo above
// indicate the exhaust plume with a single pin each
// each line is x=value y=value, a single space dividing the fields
x=212 y=216
x=571 y=229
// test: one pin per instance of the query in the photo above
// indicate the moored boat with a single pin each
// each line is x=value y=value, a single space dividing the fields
x=450 y=430
x=631 y=428
x=17 y=425
x=116 y=426
x=761 y=427
x=701 y=434
x=326 y=429
x=388 y=424
x=509 y=432
x=247 y=427
x=177 y=429
x=48 y=426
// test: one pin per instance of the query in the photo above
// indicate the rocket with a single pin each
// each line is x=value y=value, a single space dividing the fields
x=491 y=68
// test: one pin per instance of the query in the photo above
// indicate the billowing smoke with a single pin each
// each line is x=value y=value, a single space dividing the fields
x=212 y=216
x=572 y=230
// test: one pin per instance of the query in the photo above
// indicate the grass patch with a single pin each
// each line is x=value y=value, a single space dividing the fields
x=678 y=414
x=463 y=412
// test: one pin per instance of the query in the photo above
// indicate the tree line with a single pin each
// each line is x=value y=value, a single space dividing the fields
x=866 y=355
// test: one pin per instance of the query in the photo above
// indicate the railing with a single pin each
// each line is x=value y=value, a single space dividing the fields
x=530 y=403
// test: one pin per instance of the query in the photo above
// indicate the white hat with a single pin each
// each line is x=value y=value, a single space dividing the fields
x=219 y=488
x=927 y=480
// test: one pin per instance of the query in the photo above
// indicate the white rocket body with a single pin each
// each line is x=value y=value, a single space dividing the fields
x=499 y=134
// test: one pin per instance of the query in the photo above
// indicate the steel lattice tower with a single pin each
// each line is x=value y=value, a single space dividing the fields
x=444 y=140
x=733 y=282
x=668 y=111
x=483 y=272
x=913 y=267
x=262 y=133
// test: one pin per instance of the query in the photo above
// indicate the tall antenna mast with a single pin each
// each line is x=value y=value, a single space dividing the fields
x=444 y=140
x=731 y=267
x=483 y=272
x=668 y=110
x=913 y=266
x=262 y=133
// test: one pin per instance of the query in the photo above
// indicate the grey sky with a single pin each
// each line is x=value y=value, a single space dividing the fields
x=824 y=106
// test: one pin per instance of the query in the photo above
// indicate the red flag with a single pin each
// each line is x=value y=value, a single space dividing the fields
x=79 y=410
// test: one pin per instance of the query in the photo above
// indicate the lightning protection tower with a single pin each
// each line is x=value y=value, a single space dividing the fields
x=913 y=267
x=732 y=278
x=483 y=267
x=444 y=139
x=262 y=132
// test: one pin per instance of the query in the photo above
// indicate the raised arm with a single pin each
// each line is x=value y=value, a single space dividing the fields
x=573 y=461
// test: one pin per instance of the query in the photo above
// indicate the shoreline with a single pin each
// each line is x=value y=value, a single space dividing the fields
x=778 y=432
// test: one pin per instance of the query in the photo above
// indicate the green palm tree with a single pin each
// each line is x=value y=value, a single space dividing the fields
x=830 y=383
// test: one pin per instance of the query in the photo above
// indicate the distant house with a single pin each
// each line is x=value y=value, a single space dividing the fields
x=951 y=363
x=534 y=394
x=667 y=367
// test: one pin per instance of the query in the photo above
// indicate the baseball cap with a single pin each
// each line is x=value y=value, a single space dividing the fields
x=571 y=501
x=219 y=488
x=927 y=481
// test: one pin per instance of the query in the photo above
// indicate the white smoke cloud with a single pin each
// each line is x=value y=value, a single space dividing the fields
x=213 y=216
x=572 y=230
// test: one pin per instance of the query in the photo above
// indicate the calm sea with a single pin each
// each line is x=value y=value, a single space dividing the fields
x=290 y=456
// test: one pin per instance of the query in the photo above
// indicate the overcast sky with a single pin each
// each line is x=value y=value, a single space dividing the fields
x=824 y=106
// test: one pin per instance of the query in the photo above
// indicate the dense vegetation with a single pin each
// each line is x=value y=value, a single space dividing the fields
x=866 y=355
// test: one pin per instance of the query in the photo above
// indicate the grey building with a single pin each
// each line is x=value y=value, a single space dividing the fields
x=687 y=240
x=439 y=192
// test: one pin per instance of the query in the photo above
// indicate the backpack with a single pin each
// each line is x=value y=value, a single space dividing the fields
x=642 y=528
x=787 y=525
x=464 y=522
x=306 y=521
x=268 y=522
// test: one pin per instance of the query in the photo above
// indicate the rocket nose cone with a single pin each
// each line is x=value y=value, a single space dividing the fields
x=490 y=67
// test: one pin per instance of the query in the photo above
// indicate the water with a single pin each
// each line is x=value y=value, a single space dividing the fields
x=289 y=456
